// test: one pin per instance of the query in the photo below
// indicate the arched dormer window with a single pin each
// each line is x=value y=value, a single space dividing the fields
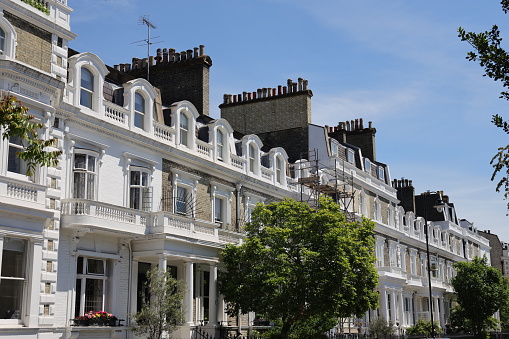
x=139 y=110
x=278 y=160
x=8 y=37
x=86 y=88
x=220 y=133
x=251 y=145
x=183 y=120
x=86 y=80
x=139 y=97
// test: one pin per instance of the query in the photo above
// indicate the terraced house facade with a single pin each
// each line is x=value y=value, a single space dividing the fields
x=147 y=177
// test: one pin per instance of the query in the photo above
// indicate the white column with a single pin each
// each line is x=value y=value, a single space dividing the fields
x=436 y=316
x=213 y=295
x=134 y=287
x=442 y=312
x=401 y=308
x=394 y=314
x=163 y=263
x=188 y=299
x=383 y=304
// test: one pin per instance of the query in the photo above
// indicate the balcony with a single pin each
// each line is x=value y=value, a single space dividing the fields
x=77 y=213
x=23 y=194
x=181 y=225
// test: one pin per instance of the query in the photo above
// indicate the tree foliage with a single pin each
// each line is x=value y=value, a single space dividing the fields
x=16 y=122
x=380 y=328
x=495 y=61
x=162 y=311
x=298 y=263
x=423 y=328
x=481 y=291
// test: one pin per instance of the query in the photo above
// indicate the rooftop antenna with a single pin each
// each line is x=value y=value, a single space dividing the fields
x=145 y=21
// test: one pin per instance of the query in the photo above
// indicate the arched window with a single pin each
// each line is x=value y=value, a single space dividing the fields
x=2 y=40
x=184 y=129
x=139 y=111
x=87 y=88
x=219 y=144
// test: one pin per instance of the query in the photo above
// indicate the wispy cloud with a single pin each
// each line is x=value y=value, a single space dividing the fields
x=363 y=103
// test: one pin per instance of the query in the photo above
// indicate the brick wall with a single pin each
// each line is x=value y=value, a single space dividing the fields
x=33 y=43
x=269 y=114
x=185 y=80
x=295 y=141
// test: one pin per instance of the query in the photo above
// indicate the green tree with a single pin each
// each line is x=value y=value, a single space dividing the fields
x=481 y=291
x=162 y=310
x=16 y=122
x=379 y=328
x=495 y=61
x=424 y=328
x=298 y=263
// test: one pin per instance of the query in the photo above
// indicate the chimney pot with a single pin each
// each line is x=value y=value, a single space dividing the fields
x=370 y=124
x=202 y=50
x=195 y=55
x=289 y=84
x=361 y=123
x=127 y=67
x=305 y=85
x=244 y=96
x=269 y=92
x=225 y=99
x=239 y=97
x=117 y=67
x=273 y=92
x=300 y=84
x=254 y=95
x=172 y=54
x=284 y=90
x=249 y=96
x=183 y=56
x=189 y=54
x=151 y=60
x=279 y=90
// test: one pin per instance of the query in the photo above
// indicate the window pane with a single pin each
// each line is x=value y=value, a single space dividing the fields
x=77 y=302
x=95 y=266
x=94 y=295
x=90 y=186
x=91 y=163
x=11 y=296
x=181 y=200
x=184 y=121
x=139 y=120
x=218 y=212
x=135 y=177
x=80 y=161
x=144 y=178
x=2 y=40
x=79 y=266
x=79 y=185
x=13 y=258
x=139 y=103
x=86 y=98
x=87 y=79
x=135 y=197
x=15 y=163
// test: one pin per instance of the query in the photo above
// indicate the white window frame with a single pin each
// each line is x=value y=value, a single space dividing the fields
x=379 y=250
x=350 y=156
x=12 y=144
x=137 y=163
x=140 y=110
x=86 y=171
x=225 y=194
x=132 y=89
x=25 y=279
x=144 y=189
x=184 y=129
x=377 y=210
x=89 y=91
x=362 y=203
x=367 y=165
x=90 y=276
x=190 y=183
x=250 y=202
x=381 y=173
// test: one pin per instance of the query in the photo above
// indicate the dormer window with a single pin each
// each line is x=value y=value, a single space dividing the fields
x=350 y=156
x=184 y=129
x=87 y=88
x=139 y=111
x=219 y=144
x=381 y=173
x=367 y=165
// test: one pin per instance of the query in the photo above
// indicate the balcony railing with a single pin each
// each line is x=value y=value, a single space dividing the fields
x=116 y=113
x=164 y=132
x=103 y=216
x=22 y=190
x=204 y=148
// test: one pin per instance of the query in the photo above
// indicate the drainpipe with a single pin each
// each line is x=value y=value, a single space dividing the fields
x=237 y=214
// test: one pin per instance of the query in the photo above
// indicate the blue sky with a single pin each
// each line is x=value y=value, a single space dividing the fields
x=397 y=63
